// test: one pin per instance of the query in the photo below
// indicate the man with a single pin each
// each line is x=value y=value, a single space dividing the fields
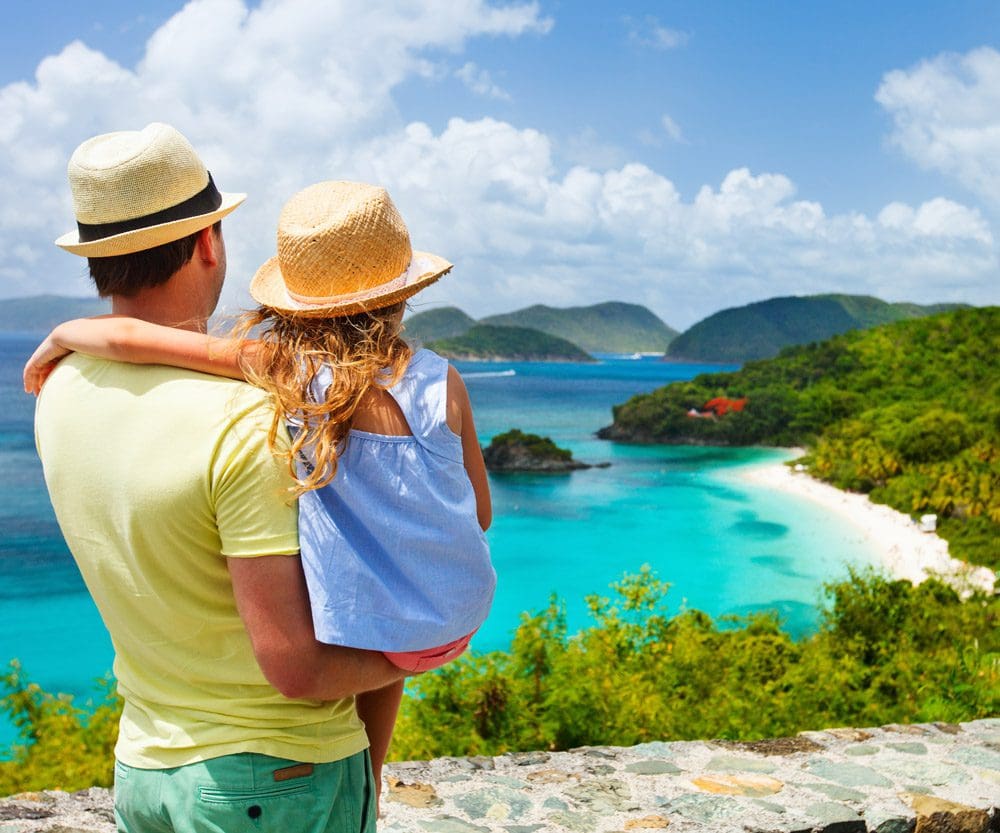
x=178 y=515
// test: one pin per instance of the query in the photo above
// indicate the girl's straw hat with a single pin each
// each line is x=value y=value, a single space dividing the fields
x=342 y=248
x=135 y=190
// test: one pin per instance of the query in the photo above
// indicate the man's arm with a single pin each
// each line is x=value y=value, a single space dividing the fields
x=132 y=340
x=273 y=602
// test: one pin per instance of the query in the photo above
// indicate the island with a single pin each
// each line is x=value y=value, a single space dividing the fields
x=435 y=324
x=515 y=451
x=485 y=343
x=610 y=327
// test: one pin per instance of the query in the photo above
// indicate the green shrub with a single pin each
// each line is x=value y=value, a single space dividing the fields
x=935 y=435
x=536 y=445
x=885 y=652
x=60 y=745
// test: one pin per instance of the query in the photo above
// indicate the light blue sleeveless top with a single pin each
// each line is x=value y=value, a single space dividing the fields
x=392 y=550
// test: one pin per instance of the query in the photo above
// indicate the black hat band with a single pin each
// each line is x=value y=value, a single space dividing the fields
x=204 y=202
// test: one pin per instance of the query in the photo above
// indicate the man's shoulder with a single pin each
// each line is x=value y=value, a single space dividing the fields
x=92 y=382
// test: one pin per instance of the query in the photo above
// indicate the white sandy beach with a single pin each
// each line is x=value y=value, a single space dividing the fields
x=907 y=552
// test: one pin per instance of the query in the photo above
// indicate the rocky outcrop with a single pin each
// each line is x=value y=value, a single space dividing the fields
x=933 y=778
x=515 y=451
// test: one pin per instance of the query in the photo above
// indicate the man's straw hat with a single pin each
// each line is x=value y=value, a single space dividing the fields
x=134 y=190
x=342 y=248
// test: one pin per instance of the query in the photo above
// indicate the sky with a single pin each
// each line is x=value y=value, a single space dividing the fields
x=688 y=156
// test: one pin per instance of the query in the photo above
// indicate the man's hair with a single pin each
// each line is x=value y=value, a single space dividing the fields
x=129 y=274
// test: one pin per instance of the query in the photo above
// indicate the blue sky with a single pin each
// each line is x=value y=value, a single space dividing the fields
x=689 y=156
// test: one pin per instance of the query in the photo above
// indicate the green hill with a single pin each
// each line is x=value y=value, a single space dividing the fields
x=602 y=328
x=489 y=343
x=908 y=411
x=444 y=322
x=762 y=329
x=40 y=313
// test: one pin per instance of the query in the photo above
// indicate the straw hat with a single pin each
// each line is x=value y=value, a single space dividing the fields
x=342 y=248
x=134 y=190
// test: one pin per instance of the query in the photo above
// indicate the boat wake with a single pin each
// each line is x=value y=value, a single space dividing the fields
x=489 y=373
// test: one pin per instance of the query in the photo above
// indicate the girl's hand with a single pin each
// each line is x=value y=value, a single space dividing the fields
x=42 y=362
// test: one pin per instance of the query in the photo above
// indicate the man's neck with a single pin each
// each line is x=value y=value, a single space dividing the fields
x=188 y=297
x=160 y=308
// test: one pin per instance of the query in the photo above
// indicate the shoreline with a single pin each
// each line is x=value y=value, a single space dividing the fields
x=906 y=552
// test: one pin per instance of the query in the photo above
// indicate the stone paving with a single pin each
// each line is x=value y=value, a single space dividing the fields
x=940 y=778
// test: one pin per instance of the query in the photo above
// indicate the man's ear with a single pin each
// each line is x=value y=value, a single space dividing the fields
x=207 y=247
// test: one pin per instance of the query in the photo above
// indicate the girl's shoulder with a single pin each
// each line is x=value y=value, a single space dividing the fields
x=423 y=393
x=426 y=371
x=427 y=362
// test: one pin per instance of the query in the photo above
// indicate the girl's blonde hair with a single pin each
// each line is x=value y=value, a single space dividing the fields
x=364 y=351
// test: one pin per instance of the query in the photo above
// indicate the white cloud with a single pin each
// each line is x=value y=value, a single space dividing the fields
x=273 y=98
x=530 y=233
x=588 y=147
x=650 y=32
x=480 y=82
x=293 y=92
x=946 y=117
x=672 y=128
x=937 y=218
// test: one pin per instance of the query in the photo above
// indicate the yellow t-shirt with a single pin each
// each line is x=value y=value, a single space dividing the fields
x=156 y=476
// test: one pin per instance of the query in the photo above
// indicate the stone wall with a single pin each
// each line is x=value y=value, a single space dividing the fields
x=940 y=778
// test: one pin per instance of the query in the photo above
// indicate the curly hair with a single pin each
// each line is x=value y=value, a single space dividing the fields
x=364 y=351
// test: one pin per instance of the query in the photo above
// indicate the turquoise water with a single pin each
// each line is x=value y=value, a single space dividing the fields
x=725 y=547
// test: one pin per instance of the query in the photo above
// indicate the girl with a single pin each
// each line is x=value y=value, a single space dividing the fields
x=392 y=488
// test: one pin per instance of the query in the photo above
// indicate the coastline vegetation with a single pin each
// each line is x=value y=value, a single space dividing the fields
x=885 y=652
x=908 y=413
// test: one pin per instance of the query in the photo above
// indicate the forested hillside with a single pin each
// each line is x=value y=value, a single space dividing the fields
x=601 y=328
x=433 y=324
x=760 y=330
x=908 y=412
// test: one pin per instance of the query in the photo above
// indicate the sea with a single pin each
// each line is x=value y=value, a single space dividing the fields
x=725 y=546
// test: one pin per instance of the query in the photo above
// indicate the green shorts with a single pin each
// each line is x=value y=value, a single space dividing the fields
x=247 y=792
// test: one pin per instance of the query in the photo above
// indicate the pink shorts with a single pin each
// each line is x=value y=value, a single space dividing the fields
x=429 y=658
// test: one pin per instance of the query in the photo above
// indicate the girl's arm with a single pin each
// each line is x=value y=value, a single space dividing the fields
x=138 y=342
x=460 y=421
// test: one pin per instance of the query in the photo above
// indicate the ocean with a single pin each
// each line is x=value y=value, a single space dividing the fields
x=724 y=546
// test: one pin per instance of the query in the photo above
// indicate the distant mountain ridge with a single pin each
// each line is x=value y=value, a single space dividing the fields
x=444 y=322
x=485 y=342
x=762 y=329
x=611 y=327
x=40 y=313
x=735 y=335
